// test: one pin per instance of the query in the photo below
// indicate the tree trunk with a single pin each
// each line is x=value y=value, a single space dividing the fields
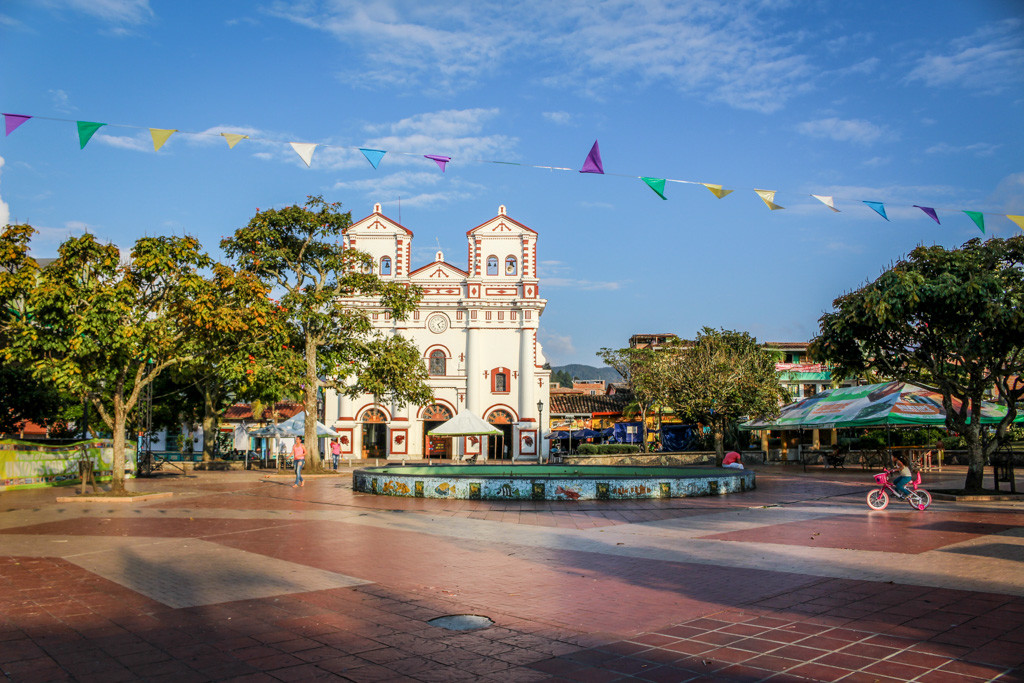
x=309 y=402
x=975 y=458
x=117 y=468
x=643 y=429
x=209 y=423
x=718 y=425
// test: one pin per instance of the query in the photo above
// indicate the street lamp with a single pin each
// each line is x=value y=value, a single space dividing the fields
x=540 y=433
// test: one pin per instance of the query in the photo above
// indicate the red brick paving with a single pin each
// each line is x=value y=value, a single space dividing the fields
x=908 y=531
x=560 y=614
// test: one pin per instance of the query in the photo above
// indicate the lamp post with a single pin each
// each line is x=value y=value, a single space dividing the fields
x=540 y=433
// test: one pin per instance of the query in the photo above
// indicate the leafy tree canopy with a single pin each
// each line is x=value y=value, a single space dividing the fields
x=722 y=375
x=951 y=319
x=300 y=252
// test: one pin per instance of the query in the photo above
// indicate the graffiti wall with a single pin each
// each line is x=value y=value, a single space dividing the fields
x=28 y=464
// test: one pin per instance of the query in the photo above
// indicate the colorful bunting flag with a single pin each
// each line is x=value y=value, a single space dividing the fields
x=930 y=212
x=304 y=150
x=160 y=136
x=656 y=184
x=827 y=201
x=768 y=197
x=373 y=155
x=438 y=159
x=12 y=121
x=86 y=129
x=717 y=190
x=593 y=161
x=233 y=139
x=1019 y=220
x=878 y=207
x=979 y=219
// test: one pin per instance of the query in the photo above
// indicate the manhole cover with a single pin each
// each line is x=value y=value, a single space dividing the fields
x=461 y=622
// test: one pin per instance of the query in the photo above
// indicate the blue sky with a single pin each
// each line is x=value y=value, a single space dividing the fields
x=904 y=103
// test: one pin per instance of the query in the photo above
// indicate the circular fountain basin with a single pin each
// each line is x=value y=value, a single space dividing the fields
x=549 y=482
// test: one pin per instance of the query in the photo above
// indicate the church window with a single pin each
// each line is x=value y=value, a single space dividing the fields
x=510 y=265
x=385 y=265
x=437 y=363
x=492 y=265
x=500 y=380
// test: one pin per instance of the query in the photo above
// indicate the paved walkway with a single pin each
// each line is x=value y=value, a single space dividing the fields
x=241 y=576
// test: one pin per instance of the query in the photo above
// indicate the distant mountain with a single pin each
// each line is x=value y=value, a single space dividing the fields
x=589 y=372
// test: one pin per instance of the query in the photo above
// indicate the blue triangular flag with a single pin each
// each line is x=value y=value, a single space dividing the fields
x=879 y=208
x=373 y=155
x=593 y=162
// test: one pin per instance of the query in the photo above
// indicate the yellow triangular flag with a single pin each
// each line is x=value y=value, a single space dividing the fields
x=716 y=190
x=233 y=139
x=304 y=150
x=826 y=200
x=160 y=136
x=768 y=197
x=1019 y=220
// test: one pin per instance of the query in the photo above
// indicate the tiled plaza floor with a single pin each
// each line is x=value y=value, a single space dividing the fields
x=239 y=576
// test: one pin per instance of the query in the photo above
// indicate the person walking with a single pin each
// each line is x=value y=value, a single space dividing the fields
x=299 y=456
x=335 y=452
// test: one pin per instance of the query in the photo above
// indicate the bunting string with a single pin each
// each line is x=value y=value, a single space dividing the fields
x=592 y=164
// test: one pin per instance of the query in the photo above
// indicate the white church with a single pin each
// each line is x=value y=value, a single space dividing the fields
x=476 y=329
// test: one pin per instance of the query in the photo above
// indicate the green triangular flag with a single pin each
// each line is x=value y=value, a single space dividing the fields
x=86 y=130
x=979 y=219
x=656 y=184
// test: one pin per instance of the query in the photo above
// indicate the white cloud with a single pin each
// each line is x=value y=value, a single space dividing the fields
x=737 y=53
x=112 y=11
x=989 y=60
x=557 y=347
x=583 y=285
x=1009 y=195
x=5 y=210
x=843 y=130
x=61 y=101
x=560 y=117
x=47 y=239
x=875 y=162
x=979 y=149
x=136 y=144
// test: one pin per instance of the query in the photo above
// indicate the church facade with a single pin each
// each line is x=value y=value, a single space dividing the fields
x=476 y=329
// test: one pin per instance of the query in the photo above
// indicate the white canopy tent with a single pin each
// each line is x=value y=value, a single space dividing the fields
x=465 y=424
x=293 y=426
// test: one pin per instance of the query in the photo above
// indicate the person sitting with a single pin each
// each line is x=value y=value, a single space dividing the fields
x=903 y=478
x=732 y=459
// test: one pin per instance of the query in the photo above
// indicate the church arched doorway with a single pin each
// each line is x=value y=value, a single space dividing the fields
x=500 y=447
x=436 y=447
x=375 y=434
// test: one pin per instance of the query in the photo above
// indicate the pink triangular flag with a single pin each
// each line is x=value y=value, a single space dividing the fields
x=593 y=162
x=438 y=159
x=930 y=212
x=12 y=121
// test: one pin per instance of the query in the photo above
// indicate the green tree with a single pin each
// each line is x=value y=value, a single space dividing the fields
x=643 y=372
x=104 y=327
x=299 y=251
x=562 y=378
x=246 y=359
x=951 y=319
x=721 y=376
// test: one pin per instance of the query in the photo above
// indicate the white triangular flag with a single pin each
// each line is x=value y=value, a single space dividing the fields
x=304 y=150
x=827 y=201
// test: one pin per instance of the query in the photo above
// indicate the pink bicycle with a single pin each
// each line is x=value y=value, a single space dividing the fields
x=878 y=499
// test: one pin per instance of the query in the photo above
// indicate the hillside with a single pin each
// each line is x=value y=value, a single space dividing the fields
x=589 y=372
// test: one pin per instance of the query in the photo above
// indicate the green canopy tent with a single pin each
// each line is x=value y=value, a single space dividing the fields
x=892 y=404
